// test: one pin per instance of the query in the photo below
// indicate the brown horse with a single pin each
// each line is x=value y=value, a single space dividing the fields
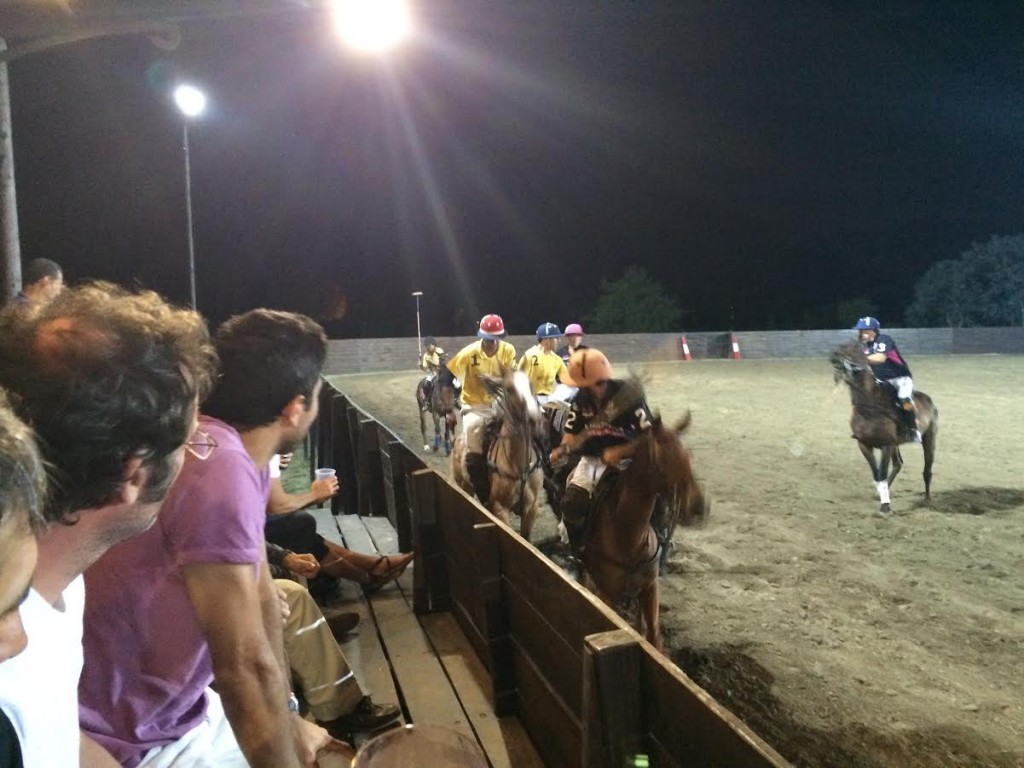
x=622 y=548
x=440 y=405
x=514 y=453
x=877 y=424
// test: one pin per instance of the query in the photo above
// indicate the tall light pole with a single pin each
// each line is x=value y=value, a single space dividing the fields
x=191 y=102
x=419 y=345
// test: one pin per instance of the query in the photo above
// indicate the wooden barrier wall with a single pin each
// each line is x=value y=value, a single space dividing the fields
x=588 y=689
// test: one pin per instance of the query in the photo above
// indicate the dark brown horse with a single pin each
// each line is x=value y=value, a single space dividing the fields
x=877 y=424
x=622 y=548
x=441 y=405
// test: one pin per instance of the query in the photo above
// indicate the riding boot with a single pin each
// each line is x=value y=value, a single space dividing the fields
x=575 y=506
x=479 y=476
x=909 y=413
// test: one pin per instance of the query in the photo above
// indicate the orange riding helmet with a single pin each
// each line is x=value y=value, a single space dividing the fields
x=587 y=367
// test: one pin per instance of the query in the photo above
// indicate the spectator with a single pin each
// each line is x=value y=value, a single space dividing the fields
x=292 y=529
x=110 y=382
x=22 y=487
x=201 y=606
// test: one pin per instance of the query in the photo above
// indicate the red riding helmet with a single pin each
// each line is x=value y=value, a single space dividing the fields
x=491 y=327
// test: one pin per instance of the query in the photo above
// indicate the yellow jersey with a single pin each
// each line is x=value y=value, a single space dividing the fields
x=471 y=363
x=431 y=361
x=541 y=367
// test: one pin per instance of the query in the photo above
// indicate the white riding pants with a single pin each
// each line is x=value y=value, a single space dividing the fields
x=587 y=473
x=904 y=387
x=473 y=418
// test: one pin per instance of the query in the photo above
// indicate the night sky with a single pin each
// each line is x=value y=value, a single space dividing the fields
x=760 y=159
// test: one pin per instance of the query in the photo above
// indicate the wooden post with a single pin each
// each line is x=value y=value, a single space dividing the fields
x=367 y=446
x=611 y=718
x=431 y=591
x=495 y=630
x=330 y=444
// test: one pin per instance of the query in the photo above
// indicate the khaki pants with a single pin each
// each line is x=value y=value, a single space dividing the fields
x=320 y=668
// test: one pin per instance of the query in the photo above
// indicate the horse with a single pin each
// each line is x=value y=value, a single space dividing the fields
x=622 y=548
x=440 y=406
x=876 y=422
x=514 y=453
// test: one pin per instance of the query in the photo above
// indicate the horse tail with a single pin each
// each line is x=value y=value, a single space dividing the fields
x=684 y=423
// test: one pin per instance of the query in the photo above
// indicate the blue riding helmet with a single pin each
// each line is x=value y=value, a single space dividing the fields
x=867 y=324
x=548 y=331
x=429 y=341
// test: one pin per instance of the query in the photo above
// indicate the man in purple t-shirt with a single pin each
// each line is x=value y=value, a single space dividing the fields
x=192 y=601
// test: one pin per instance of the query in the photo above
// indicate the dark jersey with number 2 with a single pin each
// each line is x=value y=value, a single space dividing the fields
x=622 y=417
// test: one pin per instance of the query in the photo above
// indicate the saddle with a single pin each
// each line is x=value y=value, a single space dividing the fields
x=905 y=418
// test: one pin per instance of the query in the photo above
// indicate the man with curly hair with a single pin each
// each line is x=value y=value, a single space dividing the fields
x=110 y=380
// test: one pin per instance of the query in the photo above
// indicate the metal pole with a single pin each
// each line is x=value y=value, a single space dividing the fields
x=188 y=211
x=10 y=268
x=419 y=345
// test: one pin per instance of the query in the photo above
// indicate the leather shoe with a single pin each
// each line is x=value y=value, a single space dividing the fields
x=342 y=623
x=366 y=716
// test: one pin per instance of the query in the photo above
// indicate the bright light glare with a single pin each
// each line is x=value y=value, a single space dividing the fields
x=190 y=100
x=372 y=26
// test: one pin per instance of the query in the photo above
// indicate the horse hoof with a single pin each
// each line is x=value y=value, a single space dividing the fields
x=885 y=510
x=426 y=446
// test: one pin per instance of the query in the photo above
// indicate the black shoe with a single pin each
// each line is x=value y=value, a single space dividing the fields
x=367 y=716
x=342 y=623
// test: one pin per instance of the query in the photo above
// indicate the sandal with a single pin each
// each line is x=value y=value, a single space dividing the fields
x=377 y=579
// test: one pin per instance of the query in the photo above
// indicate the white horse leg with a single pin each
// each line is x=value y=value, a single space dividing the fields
x=882 y=487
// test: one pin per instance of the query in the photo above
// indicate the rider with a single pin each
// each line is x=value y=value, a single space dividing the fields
x=606 y=413
x=431 y=363
x=573 y=341
x=888 y=365
x=540 y=363
x=484 y=357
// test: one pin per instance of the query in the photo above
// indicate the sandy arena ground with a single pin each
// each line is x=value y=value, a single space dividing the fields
x=843 y=638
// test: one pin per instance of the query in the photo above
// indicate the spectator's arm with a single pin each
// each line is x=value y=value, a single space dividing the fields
x=275 y=560
x=247 y=662
x=281 y=502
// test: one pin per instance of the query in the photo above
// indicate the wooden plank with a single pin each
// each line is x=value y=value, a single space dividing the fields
x=692 y=726
x=572 y=610
x=552 y=727
x=339 y=453
x=504 y=739
x=355 y=534
x=326 y=524
x=366 y=453
x=495 y=627
x=382 y=533
x=431 y=584
x=559 y=662
x=612 y=734
x=390 y=468
x=425 y=688
x=404 y=519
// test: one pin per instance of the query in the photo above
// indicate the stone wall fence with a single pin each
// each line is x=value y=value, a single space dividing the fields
x=399 y=354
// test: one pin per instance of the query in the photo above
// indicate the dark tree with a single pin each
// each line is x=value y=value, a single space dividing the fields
x=985 y=286
x=635 y=303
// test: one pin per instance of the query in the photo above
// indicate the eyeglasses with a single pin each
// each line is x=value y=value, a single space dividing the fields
x=201 y=445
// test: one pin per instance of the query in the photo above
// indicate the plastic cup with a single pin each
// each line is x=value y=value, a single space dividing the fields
x=432 y=745
x=324 y=472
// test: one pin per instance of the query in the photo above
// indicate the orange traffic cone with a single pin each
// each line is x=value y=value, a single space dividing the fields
x=686 y=348
x=735 y=348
